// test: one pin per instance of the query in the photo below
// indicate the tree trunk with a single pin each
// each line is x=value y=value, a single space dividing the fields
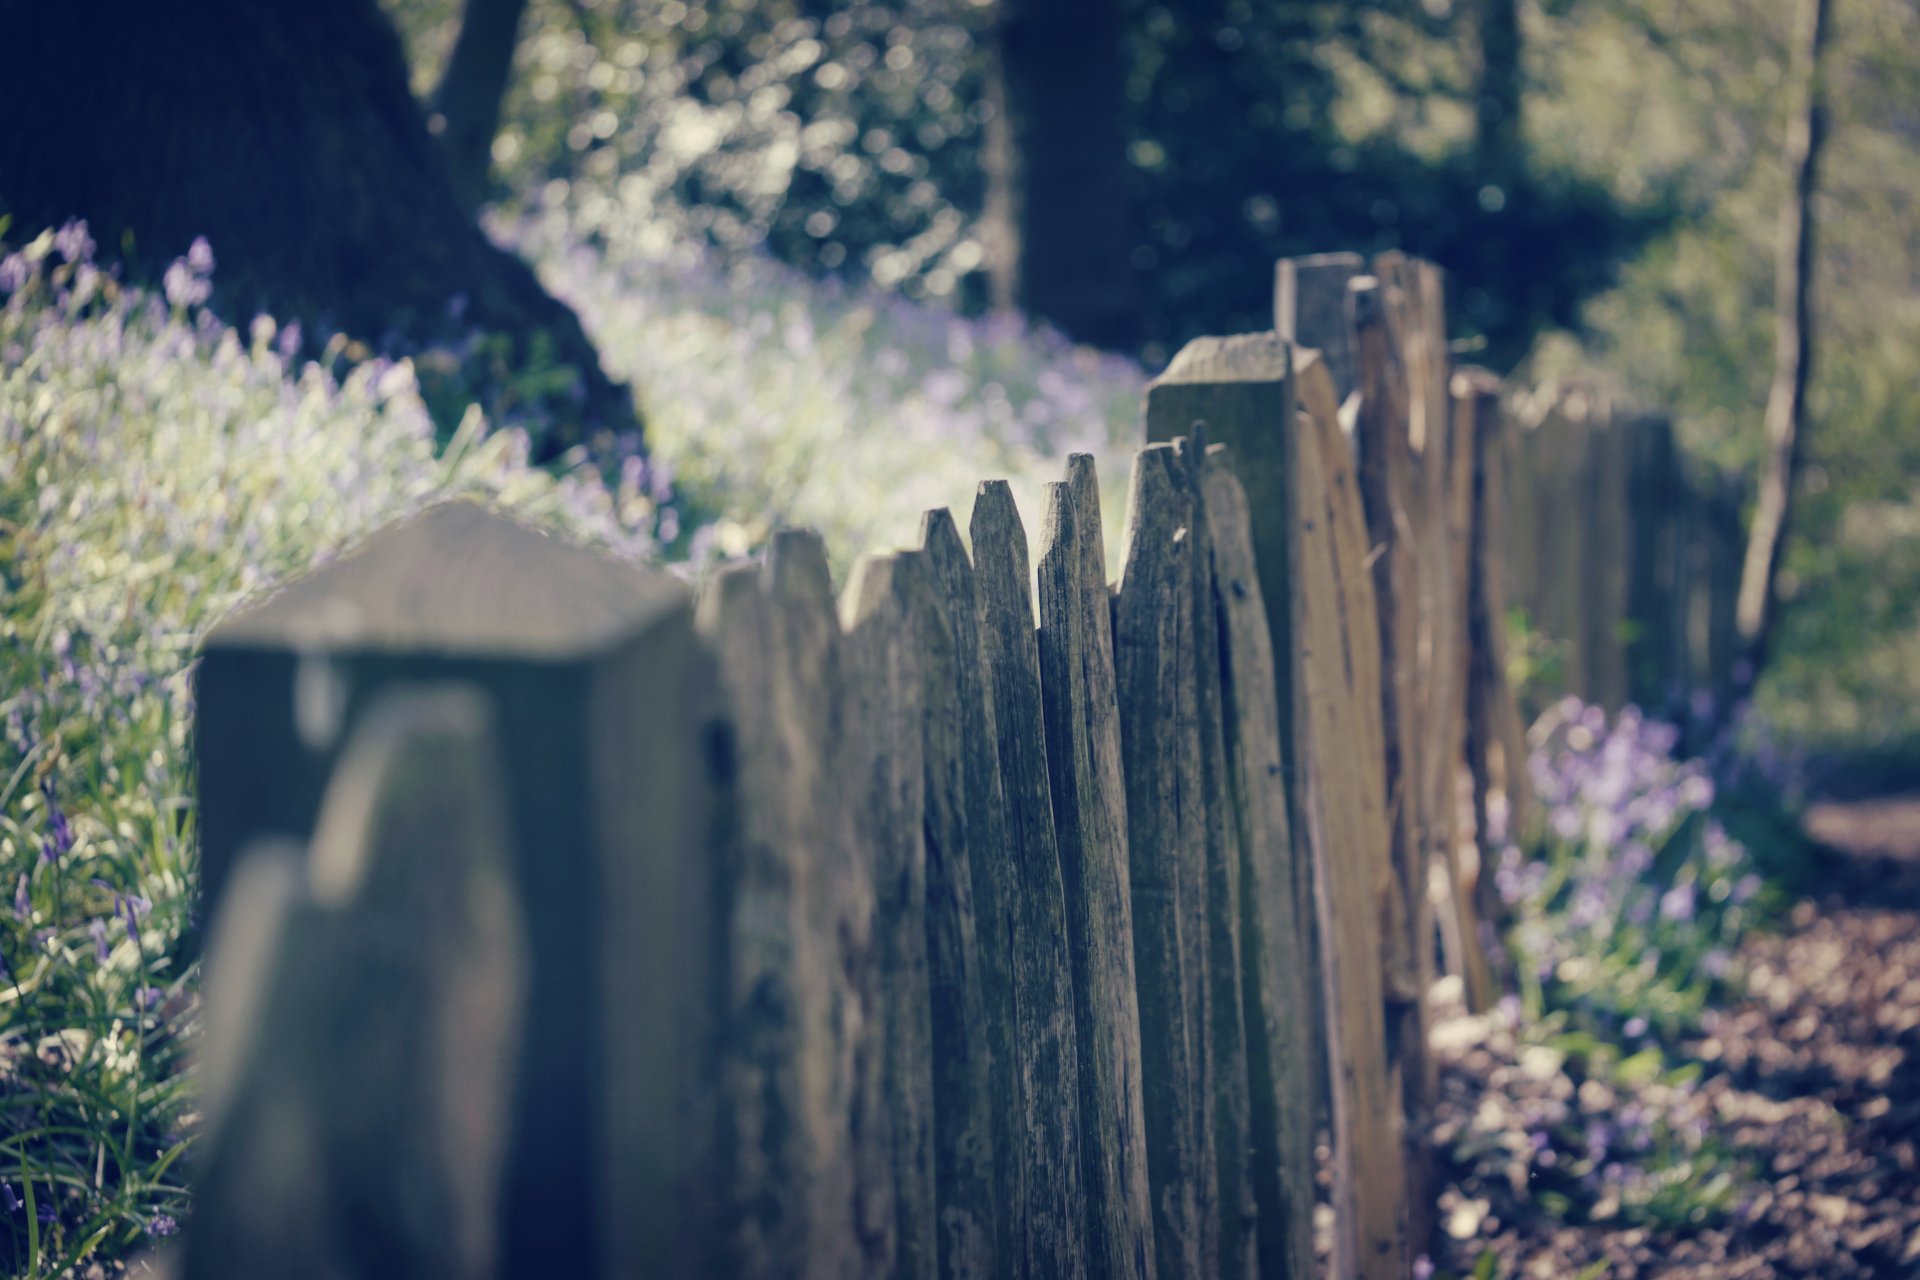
x=1496 y=133
x=467 y=102
x=1057 y=219
x=1758 y=602
x=285 y=134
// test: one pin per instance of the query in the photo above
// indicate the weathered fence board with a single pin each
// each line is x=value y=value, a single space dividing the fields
x=1411 y=613
x=1053 y=1197
x=1153 y=658
x=885 y=689
x=1310 y=310
x=1090 y=816
x=991 y=867
x=1226 y=1011
x=1342 y=746
x=1274 y=913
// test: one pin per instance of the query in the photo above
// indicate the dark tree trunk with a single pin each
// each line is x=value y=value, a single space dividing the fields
x=467 y=102
x=1056 y=160
x=1758 y=602
x=1496 y=133
x=285 y=134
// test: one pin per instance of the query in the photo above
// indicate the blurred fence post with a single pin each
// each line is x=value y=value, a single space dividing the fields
x=601 y=695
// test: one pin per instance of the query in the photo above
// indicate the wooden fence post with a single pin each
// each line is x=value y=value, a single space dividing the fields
x=1090 y=815
x=1309 y=534
x=1053 y=1198
x=603 y=698
x=363 y=1018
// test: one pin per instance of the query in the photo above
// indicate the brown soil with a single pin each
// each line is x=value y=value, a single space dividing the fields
x=1814 y=1074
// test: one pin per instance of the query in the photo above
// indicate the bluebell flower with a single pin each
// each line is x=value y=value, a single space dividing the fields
x=200 y=257
x=162 y=1225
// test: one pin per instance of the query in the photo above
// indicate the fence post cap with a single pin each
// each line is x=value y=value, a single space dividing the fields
x=460 y=579
x=1240 y=357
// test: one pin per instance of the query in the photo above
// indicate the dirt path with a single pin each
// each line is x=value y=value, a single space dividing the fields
x=1815 y=1075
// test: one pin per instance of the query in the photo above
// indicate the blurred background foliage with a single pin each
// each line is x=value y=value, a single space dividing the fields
x=1603 y=185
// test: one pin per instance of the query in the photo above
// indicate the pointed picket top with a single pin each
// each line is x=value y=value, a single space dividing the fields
x=458 y=578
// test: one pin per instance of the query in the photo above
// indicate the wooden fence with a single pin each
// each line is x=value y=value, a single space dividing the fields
x=567 y=925
x=1625 y=555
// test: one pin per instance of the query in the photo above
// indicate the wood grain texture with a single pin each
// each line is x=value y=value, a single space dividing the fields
x=995 y=883
x=852 y=1198
x=1411 y=572
x=1154 y=659
x=773 y=1021
x=966 y=1213
x=1342 y=747
x=1226 y=1012
x=885 y=687
x=1273 y=932
x=1053 y=1198
x=1242 y=389
x=1089 y=808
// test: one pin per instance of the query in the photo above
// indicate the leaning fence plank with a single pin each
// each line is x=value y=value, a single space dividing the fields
x=1409 y=596
x=1489 y=701
x=1277 y=1004
x=1052 y=1193
x=1342 y=751
x=1153 y=660
x=884 y=652
x=361 y=1095
x=991 y=864
x=1226 y=1011
x=1089 y=809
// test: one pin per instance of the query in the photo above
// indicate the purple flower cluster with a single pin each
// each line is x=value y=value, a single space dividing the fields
x=1628 y=913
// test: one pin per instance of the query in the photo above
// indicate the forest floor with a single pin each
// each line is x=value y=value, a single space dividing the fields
x=1813 y=1076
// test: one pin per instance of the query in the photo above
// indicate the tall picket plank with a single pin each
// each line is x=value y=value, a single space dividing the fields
x=1089 y=809
x=967 y=1225
x=885 y=687
x=775 y=1003
x=1053 y=1197
x=991 y=865
x=1342 y=747
x=1226 y=1009
x=1153 y=660
x=1277 y=1002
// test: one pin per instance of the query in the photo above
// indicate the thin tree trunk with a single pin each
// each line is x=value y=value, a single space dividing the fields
x=1057 y=224
x=1758 y=603
x=466 y=105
